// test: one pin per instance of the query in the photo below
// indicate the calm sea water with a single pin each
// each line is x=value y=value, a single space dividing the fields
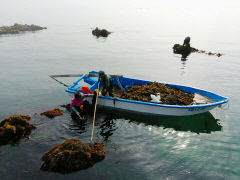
x=205 y=146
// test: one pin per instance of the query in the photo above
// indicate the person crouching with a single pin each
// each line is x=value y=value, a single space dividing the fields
x=78 y=106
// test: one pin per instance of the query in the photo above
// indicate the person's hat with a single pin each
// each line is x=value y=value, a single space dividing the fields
x=101 y=73
x=78 y=95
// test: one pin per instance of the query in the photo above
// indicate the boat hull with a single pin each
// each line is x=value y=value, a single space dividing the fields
x=149 y=108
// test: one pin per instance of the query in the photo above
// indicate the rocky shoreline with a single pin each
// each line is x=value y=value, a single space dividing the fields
x=18 y=28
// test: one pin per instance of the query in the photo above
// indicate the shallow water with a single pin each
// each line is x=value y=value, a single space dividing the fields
x=140 y=147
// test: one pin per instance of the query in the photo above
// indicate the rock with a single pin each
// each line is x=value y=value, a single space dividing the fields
x=17 y=28
x=171 y=96
x=52 y=113
x=100 y=32
x=179 y=49
x=15 y=127
x=72 y=155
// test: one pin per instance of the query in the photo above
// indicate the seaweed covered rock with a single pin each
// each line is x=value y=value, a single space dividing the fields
x=179 y=49
x=169 y=95
x=15 y=127
x=52 y=113
x=72 y=155
x=17 y=28
x=100 y=32
x=185 y=50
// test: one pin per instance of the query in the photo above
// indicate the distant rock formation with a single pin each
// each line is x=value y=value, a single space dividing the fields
x=100 y=32
x=17 y=28
x=52 y=113
x=14 y=128
x=180 y=49
x=72 y=155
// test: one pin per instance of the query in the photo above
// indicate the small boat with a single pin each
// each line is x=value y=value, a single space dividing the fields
x=207 y=100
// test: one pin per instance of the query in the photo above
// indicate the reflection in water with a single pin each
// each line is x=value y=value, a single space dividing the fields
x=78 y=125
x=201 y=123
x=105 y=123
x=184 y=50
x=183 y=62
x=107 y=126
x=184 y=57
x=183 y=67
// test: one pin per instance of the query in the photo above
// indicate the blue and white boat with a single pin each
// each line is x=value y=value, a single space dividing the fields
x=91 y=81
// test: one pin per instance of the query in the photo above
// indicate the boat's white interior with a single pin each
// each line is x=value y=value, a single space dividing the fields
x=200 y=99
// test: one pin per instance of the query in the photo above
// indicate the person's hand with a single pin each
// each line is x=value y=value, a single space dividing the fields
x=76 y=112
x=95 y=91
x=104 y=91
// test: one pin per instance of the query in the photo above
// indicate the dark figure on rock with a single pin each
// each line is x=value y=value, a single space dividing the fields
x=184 y=49
x=186 y=42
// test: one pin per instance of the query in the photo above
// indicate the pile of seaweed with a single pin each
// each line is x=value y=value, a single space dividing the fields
x=179 y=49
x=72 y=155
x=169 y=95
x=17 y=28
x=52 y=113
x=15 y=127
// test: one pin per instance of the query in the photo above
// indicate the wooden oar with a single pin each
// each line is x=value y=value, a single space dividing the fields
x=59 y=81
x=66 y=75
x=79 y=75
x=94 y=115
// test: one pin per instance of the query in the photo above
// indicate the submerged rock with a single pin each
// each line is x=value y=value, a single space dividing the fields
x=100 y=32
x=72 y=155
x=15 y=127
x=169 y=95
x=52 y=113
x=17 y=28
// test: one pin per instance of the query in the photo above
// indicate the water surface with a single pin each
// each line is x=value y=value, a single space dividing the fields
x=140 y=46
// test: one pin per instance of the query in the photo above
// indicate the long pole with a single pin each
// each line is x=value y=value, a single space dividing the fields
x=94 y=115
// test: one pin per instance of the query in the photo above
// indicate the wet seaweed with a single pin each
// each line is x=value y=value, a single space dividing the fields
x=169 y=95
x=52 y=113
x=13 y=128
x=72 y=155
